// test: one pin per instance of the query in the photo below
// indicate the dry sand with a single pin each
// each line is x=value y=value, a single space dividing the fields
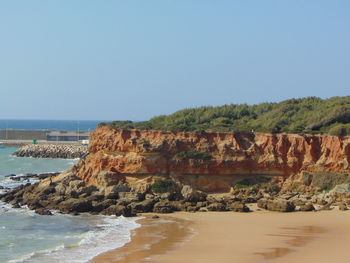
x=230 y=237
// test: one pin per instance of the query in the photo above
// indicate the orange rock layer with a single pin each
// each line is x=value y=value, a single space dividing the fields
x=120 y=154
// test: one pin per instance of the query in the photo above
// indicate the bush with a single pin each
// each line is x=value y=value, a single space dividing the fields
x=306 y=115
x=241 y=186
x=258 y=181
x=340 y=129
x=327 y=181
x=163 y=186
x=185 y=155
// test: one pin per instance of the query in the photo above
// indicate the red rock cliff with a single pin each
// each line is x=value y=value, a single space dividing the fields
x=134 y=155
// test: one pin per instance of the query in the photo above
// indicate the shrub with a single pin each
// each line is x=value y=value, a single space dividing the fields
x=306 y=115
x=258 y=181
x=241 y=186
x=340 y=129
x=185 y=155
x=163 y=186
x=327 y=181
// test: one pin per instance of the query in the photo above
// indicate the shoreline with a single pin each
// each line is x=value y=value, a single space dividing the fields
x=262 y=236
x=154 y=237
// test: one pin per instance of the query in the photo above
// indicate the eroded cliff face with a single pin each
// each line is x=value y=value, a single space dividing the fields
x=133 y=155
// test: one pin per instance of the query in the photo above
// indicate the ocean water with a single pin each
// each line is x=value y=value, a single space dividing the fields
x=70 y=125
x=28 y=237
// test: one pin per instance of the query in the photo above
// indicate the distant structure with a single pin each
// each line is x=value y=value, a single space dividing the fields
x=44 y=135
x=67 y=136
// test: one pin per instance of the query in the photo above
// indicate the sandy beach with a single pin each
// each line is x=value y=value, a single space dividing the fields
x=260 y=236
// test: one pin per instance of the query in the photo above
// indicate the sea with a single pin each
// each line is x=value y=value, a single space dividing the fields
x=28 y=237
x=69 y=125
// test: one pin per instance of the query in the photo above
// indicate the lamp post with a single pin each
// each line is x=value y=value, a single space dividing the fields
x=6 y=129
x=78 y=130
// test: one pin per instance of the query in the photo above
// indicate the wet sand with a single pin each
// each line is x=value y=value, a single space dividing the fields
x=155 y=237
x=223 y=237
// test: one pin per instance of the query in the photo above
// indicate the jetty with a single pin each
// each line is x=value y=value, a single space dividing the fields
x=52 y=151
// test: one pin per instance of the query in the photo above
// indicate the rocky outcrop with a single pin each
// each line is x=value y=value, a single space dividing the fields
x=26 y=177
x=278 y=205
x=130 y=155
x=69 y=194
x=52 y=151
x=199 y=172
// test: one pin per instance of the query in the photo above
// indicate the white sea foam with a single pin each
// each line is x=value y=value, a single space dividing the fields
x=112 y=233
x=58 y=238
x=23 y=210
x=27 y=257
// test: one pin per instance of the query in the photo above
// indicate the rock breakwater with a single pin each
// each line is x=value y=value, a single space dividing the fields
x=52 y=151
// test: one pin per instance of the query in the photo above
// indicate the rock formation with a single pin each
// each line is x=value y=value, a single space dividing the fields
x=196 y=172
x=131 y=154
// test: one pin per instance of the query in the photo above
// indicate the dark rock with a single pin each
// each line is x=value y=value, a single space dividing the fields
x=249 y=200
x=151 y=196
x=124 y=201
x=60 y=189
x=111 y=210
x=179 y=205
x=112 y=192
x=171 y=196
x=97 y=207
x=43 y=211
x=307 y=207
x=44 y=203
x=16 y=178
x=48 y=190
x=322 y=202
x=192 y=208
x=16 y=206
x=164 y=207
x=216 y=207
x=262 y=203
x=75 y=205
x=46 y=175
x=215 y=199
x=191 y=195
x=299 y=202
x=88 y=190
x=202 y=204
x=343 y=207
x=96 y=197
x=131 y=196
x=239 y=207
x=326 y=207
x=73 y=194
x=278 y=205
x=118 y=210
x=106 y=203
x=281 y=206
x=143 y=207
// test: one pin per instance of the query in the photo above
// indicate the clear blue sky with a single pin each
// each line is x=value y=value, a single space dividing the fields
x=111 y=60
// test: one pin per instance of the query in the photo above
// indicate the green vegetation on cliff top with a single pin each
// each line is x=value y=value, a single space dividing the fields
x=306 y=115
